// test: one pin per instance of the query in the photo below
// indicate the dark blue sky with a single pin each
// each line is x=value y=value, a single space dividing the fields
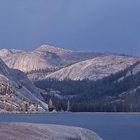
x=88 y=25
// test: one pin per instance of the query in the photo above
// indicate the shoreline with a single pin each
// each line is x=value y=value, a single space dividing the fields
x=31 y=131
x=28 y=113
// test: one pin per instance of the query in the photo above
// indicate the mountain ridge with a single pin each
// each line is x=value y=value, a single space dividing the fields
x=16 y=91
x=64 y=63
x=43 y=57
x=94 y=69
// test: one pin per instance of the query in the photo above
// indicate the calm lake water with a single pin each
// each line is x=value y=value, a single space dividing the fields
x=109 y=126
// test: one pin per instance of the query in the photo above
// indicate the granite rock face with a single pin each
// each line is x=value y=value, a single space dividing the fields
x=43 y=57
x=16 y=91
x=9 y=52
x=23 y=131
x=134 y=70
x=65 y=63
x=28 y=61
x=94 y=69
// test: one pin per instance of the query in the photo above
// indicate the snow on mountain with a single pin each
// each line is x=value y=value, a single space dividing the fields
x=16 y=90
x=93 y=69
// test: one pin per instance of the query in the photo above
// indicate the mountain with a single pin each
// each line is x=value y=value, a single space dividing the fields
x=119 y=92
x=58 y=51
x=52 y=62
x=17 y=93
x=68 y=56
x=91 y=81
x=43 y=57
x=94 y=69
x=9 y=52
x=28 y=61
x=134 y=70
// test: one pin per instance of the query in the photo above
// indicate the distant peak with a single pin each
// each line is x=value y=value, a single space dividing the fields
x=53 y=49
x=7 y=52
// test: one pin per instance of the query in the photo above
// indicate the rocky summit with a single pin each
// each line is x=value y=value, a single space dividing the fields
x=43 y=57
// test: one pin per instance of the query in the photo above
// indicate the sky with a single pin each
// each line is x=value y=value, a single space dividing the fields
x=83 y=25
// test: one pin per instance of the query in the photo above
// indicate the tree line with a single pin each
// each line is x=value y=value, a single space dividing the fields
x=95 y=96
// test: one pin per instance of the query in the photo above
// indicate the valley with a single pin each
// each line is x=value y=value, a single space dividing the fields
x=95 y=82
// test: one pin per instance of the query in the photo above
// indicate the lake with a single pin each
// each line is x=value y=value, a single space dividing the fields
x=110 y=126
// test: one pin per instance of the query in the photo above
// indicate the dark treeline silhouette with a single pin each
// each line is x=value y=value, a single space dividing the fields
x=109 y=94
x=43 y=71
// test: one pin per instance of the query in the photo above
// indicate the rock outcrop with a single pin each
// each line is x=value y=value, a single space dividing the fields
x=23 y=131
x=94 y=69
x=66 y=63
x=43 y=57
x=28 y=61
x=17 y=92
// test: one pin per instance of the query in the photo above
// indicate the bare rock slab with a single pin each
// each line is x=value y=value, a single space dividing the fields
x=24 y=131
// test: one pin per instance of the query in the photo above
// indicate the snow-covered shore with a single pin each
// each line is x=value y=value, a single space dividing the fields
x=25 y=131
